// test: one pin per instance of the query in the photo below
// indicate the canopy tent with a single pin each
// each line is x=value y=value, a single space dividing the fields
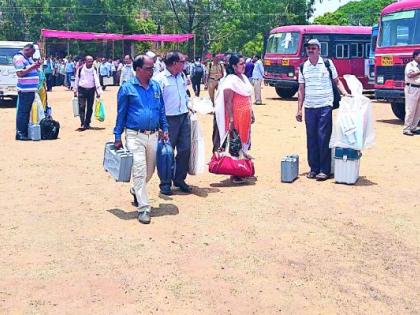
x=46 y=33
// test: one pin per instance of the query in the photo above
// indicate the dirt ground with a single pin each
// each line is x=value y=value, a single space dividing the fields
x=70 y=242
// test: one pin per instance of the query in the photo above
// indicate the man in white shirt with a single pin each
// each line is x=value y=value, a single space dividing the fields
x=85 y=87
x=175 y=97
x=412 y=95
x=127 y=71
x=316 y=94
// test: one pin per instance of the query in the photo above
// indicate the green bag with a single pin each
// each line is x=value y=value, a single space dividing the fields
x=99 y=110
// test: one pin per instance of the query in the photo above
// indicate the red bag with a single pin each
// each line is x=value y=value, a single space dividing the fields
x=223 y=164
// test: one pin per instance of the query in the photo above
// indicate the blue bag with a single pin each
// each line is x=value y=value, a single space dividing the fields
x=165 y=161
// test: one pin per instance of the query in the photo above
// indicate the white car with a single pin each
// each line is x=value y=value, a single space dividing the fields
x=8 y=78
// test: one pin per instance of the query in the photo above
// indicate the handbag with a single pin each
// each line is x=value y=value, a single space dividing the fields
x=223 y=163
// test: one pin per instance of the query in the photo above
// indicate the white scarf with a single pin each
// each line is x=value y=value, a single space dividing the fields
x=234 y=83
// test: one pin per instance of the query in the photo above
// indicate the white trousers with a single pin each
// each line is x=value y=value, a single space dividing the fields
x=257 y=90
x=412 y=108
x=144 y=149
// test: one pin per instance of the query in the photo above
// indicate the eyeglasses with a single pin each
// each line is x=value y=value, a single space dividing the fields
x=147 y=68
x=311 y=48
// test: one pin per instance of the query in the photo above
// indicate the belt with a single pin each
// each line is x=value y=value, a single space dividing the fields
x=145 y=131
x=413 y=85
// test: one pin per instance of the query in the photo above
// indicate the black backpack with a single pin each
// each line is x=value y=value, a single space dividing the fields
x=336 y=92
x=49 y=128
x=197 y=71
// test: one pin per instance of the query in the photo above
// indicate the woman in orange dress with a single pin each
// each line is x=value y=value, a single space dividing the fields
x=234 y=105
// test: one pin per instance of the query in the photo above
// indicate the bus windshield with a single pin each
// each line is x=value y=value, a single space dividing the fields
x=7 y=54
x=283 y=43
x=400 y=29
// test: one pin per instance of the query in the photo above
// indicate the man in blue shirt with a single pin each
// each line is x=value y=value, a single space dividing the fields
x=69 y=72
x=257 y=78
x=104 y=71
x=141 y=113
x=174 y=89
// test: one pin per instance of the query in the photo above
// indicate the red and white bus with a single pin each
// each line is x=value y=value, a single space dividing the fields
x=399 y=36
x=347 y=46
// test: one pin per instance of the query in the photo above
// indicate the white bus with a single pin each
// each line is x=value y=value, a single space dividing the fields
x=8 y=78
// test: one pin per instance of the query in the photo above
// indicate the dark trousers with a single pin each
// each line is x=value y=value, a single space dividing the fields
x=180 y=136
x=23 y=112
x=86 y=97
x=215 y=136
x=318 y=133
x=196 y=85
x=49 y=80
x=101 y=81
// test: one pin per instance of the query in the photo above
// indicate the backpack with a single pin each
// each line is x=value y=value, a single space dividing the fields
x=197 y=71
x=336 y=92
x=49 y=128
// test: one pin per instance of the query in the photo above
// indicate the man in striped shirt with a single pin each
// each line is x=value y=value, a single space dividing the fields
x=27 y=85
x=316 y=94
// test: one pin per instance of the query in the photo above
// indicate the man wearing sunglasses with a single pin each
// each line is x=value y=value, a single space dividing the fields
x=141 y=113
x=174 y=89
x=316 y=95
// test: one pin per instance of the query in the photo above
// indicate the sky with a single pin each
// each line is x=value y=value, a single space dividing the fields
x=328 y=6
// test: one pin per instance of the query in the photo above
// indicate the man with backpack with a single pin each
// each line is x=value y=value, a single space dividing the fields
x=196 y=74
x=86 y=86
x=317 y=77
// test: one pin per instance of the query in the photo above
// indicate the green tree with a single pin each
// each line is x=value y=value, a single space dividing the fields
x=364 y=12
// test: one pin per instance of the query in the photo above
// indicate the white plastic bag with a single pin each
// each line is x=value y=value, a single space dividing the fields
x=198 y=154
x=37 y=111
x=354 y=124
x=202 y=105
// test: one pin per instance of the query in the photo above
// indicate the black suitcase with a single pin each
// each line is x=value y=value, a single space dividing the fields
x=49 y=128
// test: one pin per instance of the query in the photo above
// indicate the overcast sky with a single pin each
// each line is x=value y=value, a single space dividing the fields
x=328 y=6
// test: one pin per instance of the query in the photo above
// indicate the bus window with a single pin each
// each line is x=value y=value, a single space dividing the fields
x=283 y=43
x=356 y=50
x=400 y=29
x=367 y=50
x=324 y=49
x=7 y=54
x=342 y=51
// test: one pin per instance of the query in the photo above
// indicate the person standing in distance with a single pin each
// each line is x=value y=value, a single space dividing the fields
x=27 y=85
x=174 y=89
x=196 y=74
x=257 y=78
x=86 y=86
x=141 y=113
x=412 y=95
x=316 y=95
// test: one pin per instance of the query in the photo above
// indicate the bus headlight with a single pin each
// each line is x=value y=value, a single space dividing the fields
x=380 y=79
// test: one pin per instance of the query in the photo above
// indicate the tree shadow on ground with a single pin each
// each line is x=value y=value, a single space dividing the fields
x=391 y=121
x=250 y=181
x=202 y=192
x=7 y=103
x=162 y=210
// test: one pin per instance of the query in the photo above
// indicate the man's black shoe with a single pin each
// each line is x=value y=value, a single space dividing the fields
x=144 y=217
x=166 y=191
x=184 y=187
x=21 y=137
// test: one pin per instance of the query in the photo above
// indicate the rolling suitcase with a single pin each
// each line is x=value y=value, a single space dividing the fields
x=118 y=163
x=34 y=132
x=289 y=168
x=346 y=165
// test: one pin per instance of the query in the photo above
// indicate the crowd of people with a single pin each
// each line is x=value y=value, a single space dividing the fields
x=153 y=103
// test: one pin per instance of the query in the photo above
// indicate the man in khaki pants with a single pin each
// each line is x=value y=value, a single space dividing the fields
x=412 y=95
x=257 y=78
x=214 y=74
x=141 y=113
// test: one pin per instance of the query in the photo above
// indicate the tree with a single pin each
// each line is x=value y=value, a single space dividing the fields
x=364 y=12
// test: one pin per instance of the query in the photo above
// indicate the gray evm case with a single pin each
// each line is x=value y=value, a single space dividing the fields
x=118 y=163
x=289 y=168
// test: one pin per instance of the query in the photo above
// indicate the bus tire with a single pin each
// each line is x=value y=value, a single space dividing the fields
x=399 y=110
x=286 y=92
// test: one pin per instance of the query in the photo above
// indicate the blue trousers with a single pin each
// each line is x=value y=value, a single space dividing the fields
x=318 y=133
x=68 y=78
x=24 y=107
x=179 y=128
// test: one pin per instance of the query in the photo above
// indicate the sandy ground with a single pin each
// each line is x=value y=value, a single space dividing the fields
x=70 y=242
